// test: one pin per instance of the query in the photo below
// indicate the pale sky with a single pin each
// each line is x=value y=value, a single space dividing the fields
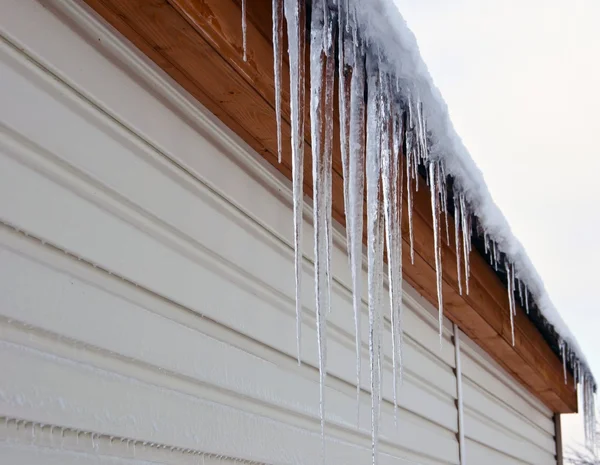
x=522 y=83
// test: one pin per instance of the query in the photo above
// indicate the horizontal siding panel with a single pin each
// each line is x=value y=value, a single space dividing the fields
x=502 y=419
x=493 y=408
x=480 y=454
x=484 y=372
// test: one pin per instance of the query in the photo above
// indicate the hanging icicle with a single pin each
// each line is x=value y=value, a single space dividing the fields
x=295 y=18
x=466 y=234
x=244 y=31
x=511 y=299
x=457 y=242
x=391 y=201
x=322 y=66
x=351 y=110
x=354 y=210
x=373 y=172
x=278 y=66
x=561 y=345
x=437 y=245
x=409 y=175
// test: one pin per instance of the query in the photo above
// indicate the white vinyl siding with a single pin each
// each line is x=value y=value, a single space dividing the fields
x=146 y=281
x=504 y=424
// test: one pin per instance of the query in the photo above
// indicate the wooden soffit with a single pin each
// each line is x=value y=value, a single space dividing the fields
x=199 y=44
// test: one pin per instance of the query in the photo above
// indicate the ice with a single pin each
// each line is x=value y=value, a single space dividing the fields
x=349 y=98
x=511 y=299
x=278 y=66
x=563 y=355
x=374 y=249
x=398 y=330
x=354 y=209
x=409 y=151
x=444 y=199
x=322 y=64
x=457 y=242
x=244 y=30
x=295 y=17
x=389 y=176
x=466 y=234
x=437 y=246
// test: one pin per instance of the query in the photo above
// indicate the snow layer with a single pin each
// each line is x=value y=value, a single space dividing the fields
x=383 y=25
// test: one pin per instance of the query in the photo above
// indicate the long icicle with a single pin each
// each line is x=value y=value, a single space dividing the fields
x=563 y=354
x=322 y=74
x=511 y=299
x=457 y=243
x=409 y=195
x=373 y=168
x=437 y=245
x=389 y=175
x=345 y=61
x=278 y=66
x=354 y=209
x=466 y=233
x=295 y=17
x=398 y=131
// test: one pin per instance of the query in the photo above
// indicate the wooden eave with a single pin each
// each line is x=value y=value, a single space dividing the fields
x=199 y=44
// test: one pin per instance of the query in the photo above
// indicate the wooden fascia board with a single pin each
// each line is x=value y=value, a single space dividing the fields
x=199 y=44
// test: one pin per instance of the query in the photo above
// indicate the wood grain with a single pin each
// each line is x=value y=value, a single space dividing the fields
x=199 y=44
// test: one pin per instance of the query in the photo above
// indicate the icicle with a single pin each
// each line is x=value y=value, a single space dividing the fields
x=244 y=29
x=295 y=14
x=486 y=242
x=389 y=176
x=398 y=130
x=444 y=200
x=354 y=209
x=561 y=344
x=466 y=230
x=511 y=297
x=355 y=29
x=527 y=299
x=512 y=286
x=437 y=246
x=589 y=411
x=457 y=220
x=520 y=283
x=321 y=109
x=346 y=10
x=417 y=148
x=409 y=197
x=373 y=170
x=278 y=66
x=351 y=109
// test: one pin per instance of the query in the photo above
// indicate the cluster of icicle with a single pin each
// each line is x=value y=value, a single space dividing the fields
x=383 y=138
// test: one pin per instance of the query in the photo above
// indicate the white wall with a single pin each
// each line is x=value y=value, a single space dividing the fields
x=146 y=281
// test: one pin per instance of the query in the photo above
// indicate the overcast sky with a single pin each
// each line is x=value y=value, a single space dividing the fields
x=522 y=83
